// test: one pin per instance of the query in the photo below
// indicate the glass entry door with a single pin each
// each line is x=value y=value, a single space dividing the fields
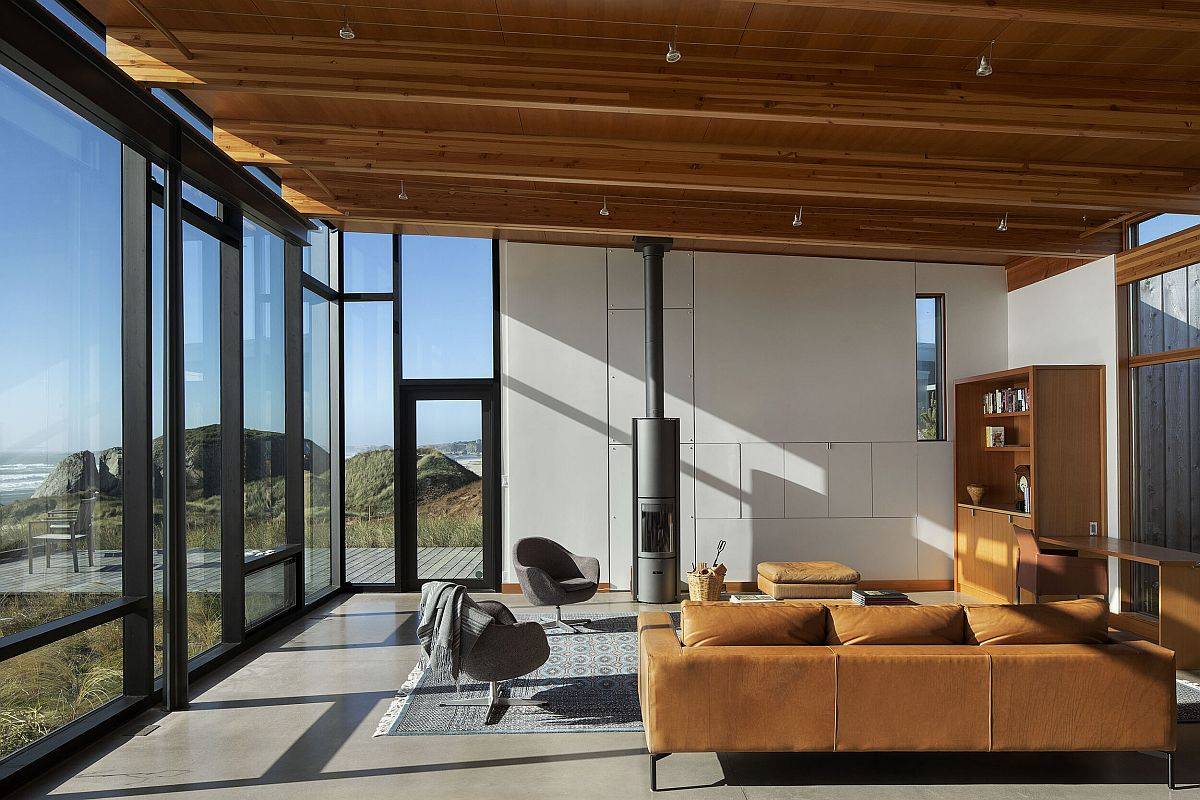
x=449 y=532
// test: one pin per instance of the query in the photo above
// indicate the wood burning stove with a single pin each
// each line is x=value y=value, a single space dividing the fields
x=655 y=455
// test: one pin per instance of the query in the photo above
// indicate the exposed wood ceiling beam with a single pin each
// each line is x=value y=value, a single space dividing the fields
x=721 y=169
x=1135 y=14
x=885 y=229
x=1024 y=271
x=512 y=78
x=140 y=7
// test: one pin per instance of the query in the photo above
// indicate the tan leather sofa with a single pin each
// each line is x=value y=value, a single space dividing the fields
x=808 y=676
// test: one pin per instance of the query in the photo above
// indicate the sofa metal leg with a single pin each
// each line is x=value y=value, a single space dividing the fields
x=654 y=758
x=1171 y=770
x=557 y=621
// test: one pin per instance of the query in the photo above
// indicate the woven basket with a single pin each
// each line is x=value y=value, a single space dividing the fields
x=706 y=587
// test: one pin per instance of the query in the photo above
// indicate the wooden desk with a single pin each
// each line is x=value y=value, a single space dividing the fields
x=1178 y=588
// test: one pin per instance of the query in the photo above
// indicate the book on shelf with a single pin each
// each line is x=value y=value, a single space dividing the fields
x=879 y=597
x=1006 y=401
x=993 y=436
x=752 y=598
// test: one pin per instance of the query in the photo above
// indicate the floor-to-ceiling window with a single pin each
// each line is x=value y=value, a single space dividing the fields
x=61 y=489
x=264 y=445
x=129 y=389
x=202 y=441
x=420 y=353
x=1164 y=319
x=370 y=466
x=321 y=390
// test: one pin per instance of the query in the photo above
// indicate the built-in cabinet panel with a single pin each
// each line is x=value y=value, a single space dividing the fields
x=718 y=481
x=935 y=511
x=894 y=479
x=627 y=371
x=762 y=479
x=850 y=479
x=806 y=480
x=627 y=284
x=879 y=548
x=987 y=554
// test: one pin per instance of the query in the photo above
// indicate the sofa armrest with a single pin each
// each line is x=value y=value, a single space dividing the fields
x=698 y=699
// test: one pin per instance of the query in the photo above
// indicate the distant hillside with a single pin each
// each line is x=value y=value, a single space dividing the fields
x=370 y=479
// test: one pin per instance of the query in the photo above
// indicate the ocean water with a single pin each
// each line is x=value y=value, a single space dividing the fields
x=19 y=479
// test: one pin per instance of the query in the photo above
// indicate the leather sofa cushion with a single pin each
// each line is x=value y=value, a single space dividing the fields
x=1118 y=696
x=1082 y=621
x=731 y=624
x=918 y=697
x=865 y=625
x=807 y=572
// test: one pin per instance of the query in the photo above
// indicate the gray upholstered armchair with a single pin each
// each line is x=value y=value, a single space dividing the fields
x=507 y=649
x=551 y=575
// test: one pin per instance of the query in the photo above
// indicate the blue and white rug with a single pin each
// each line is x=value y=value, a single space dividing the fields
x=589 y=685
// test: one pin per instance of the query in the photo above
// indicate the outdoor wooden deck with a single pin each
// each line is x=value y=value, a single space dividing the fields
x=363 y=565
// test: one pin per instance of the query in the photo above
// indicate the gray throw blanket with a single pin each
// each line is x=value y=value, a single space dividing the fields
x=449 y=624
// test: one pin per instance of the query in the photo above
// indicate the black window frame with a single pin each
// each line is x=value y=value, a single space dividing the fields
x=940 y=382
x=405 y=392
x=41 y=50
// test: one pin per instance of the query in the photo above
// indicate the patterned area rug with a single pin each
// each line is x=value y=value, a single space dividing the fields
x=589 y=685
x=1187 y=700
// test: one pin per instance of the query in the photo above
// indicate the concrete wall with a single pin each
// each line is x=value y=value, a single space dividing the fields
x=1072 y=319
x=794 y=380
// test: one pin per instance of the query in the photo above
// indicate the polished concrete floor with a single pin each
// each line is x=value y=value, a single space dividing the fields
x=294 y=719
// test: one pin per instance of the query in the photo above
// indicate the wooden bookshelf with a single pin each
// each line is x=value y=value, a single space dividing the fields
x=1060 y=437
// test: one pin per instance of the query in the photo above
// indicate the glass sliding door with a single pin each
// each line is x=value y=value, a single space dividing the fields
x=449 y=471
x=370 y=466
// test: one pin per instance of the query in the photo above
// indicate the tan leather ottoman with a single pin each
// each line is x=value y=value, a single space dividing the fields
x=797 y=580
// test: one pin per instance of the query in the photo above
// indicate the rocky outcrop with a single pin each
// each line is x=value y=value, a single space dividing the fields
x=75 y=473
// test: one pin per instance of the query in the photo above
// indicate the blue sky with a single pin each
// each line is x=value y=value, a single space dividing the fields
x=60 y=314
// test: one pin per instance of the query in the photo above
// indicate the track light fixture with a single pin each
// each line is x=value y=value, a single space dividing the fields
x=346 y=31
x=985 y=61
x=403 y=194
x=798 y=219
x=604 y=212
x=673 y=54
x=1003 y=226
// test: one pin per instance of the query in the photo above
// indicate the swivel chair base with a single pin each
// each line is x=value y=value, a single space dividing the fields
x=557 y=622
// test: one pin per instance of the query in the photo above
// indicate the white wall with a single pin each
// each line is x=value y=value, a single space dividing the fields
x=794 y=379
x=1072 y=319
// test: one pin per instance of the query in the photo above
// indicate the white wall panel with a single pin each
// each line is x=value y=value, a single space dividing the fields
x=894 y=479
x=850 y=479
x=935 y=511
x=718 y=481
x=620 y=513
x=762 y=480
x=803 y=349
x=627 y=285
x=627 y=371
x=555 y=377
x=881 y=549
x=806 y=479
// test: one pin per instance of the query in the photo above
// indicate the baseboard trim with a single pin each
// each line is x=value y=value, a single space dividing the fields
x=750 y=586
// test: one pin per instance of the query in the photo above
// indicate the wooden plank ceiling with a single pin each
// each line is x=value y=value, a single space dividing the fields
x=522 y=118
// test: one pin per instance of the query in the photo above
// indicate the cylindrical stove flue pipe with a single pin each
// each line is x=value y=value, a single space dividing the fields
x=652 y=250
